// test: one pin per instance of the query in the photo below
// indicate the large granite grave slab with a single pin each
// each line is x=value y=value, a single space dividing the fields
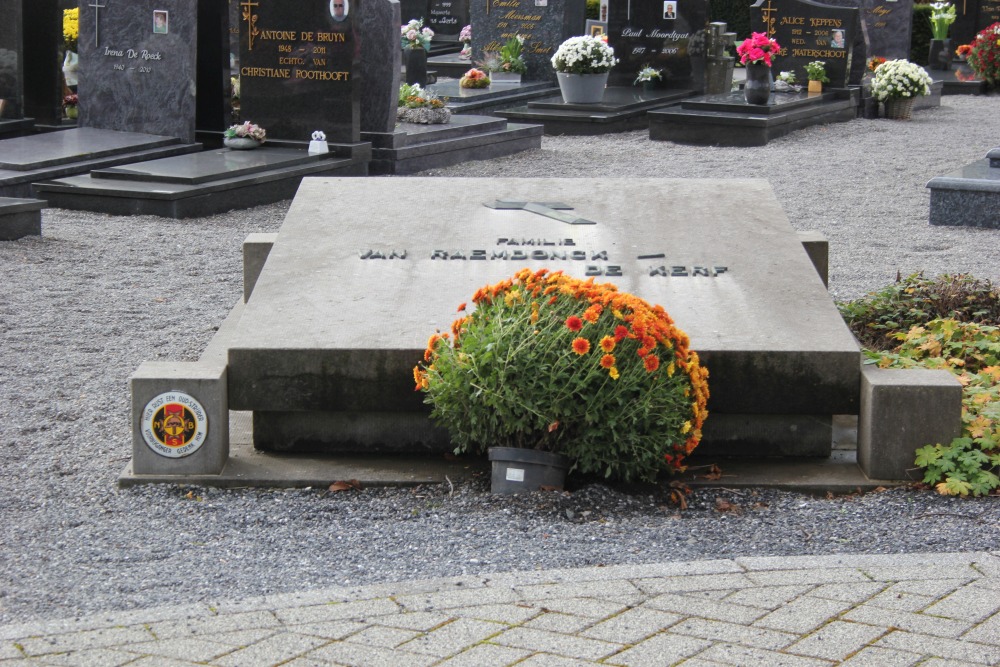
x=727 y=120
x=38 y=157
x=667 y=35
x=622 y=109
x=358 y=277
x=137 y=75
x=968 y=197
x=199 y=184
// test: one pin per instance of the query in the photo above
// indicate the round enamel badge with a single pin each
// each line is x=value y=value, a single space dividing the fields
x=174 y=424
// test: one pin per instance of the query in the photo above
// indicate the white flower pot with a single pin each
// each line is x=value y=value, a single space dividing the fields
x=505 y=78
x=582 y=88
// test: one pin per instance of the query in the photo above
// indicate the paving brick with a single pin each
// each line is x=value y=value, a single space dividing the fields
x=836 y=640
x=632 y=626
x=767 y=597
x=98 y=657
x=556 y=622
x=453 y=637
x=705 y=582
x=356 y=655
x=987 y=632
x=715 y=596
x=544 y=660
x=181 y=648
x=734 y=634
x=803 y=614
x=511 y=614
x=855 y=561
x=552 y=642
x=160 y=661
x=938 y=662
x=75 y=641
x=900 y=600
x=970 y=603
x=412 y=620
x=662 y=649
x=457 y=598
x=8 y=651
x=874 y=656
x=891 y=618
x=276 y=649
x=213 y=625
x=595 y=609
x=486 y=655
x=858 y=592
x=382 y=637
x=590 y=589
x=342 y=610
x=796 y=577
x=730 y=654
x=941 y=647
x=934 y=588
x=325 y=629
x=705 y=609
x=960 y=571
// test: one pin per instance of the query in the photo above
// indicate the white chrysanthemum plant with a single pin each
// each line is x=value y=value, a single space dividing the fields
x=584 y=55
x=900 y=79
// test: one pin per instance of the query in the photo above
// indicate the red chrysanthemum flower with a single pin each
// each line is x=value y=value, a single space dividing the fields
x=620 y=333
x=461 y=306
x=607 y=361
x=574 y=323
x=651 y=362
x=581 y=346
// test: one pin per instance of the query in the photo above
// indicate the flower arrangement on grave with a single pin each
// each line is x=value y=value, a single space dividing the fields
x=558 y=364
x=941 y=17
x=246 y=130
x=963 y=51
x=816 y=71
x=70 y=105
x=71 y=27
x=474 y=78
x=900 y=79
x=465 y=37
x=417 y=105
x=874 y=62
x=757 y=48
x=414 y=35
x=648 y=75
x=511 y=57
x=584 y=55
x=984 y=58
x=786 y=77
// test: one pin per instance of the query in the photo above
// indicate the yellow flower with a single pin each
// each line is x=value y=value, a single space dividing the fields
x=686 y=427
x=613 y=373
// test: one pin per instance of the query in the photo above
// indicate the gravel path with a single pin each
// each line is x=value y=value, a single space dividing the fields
x=83 y=305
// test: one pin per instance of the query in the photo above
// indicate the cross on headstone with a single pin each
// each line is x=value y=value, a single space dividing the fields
x=97 y=18
x=548 y=209
x=251 y=20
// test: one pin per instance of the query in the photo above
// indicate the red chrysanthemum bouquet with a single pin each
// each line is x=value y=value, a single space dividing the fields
x=757 y=48
x=554 y=363
x=984 y=58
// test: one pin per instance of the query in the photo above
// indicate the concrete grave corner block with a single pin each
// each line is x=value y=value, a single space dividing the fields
x=901 y=411
x=207 y=384
x=256 y=248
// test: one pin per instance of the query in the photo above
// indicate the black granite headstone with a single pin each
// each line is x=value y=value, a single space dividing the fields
x=887 y=26
x=380 y=65
x=11 y=64
x=972 y=16
x=447 y=18
x=809 y=31
x=413 y=9
x=668 y=35
x=300 y=69
x=213 y=67
x=43 y=61
x=544 y=24
x=138 y=66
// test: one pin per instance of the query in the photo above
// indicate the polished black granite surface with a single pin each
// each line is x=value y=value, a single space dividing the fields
x=54 y=148
x=214 y=165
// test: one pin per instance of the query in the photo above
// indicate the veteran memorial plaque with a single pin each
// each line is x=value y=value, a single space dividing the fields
x=298 y=68
x=809 y=31
x=138 y=66
x=668 y=35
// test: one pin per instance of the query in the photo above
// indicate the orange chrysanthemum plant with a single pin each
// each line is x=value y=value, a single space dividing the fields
x=553 y=363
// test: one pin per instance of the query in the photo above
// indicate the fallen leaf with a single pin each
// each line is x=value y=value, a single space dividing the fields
x=723 y=505
x=349 y=485
x=714 y=473
x=553 y=426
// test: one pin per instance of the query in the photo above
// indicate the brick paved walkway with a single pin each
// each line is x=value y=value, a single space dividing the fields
x=933 y=610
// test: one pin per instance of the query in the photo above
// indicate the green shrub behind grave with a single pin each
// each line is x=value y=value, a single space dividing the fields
x=920 y=38
x=593 y=10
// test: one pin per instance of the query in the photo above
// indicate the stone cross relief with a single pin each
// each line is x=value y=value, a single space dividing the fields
x=548 y=209
x=97 y=18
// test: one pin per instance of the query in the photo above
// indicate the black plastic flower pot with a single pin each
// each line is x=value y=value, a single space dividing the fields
x=519 y=470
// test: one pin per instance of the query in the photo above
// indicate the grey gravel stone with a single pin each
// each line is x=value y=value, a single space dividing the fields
x=84 y=304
